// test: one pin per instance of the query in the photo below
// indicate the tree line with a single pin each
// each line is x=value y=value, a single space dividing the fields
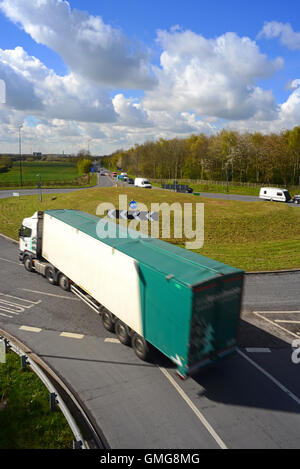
x=250 y=157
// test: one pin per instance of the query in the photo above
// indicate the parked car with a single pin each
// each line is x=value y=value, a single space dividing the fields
x=274 y=194
x=130 y=181
x=114 y=174
x=296 y=199
x=142 y=182
x=178 y=188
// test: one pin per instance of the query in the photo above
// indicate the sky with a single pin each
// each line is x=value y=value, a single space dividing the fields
x=110 y=74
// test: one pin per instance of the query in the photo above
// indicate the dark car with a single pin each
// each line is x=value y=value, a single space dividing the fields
x=296 y=199
x=130 y=181
x=178 y=187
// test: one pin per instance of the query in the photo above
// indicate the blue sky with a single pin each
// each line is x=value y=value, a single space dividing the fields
x=127 y=71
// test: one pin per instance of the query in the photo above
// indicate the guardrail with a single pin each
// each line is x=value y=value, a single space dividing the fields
x=40 y=369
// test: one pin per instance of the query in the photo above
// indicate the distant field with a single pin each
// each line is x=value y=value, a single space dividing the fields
x=51 y=172
x=249 y=235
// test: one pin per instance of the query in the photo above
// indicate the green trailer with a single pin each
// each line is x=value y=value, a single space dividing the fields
x=153 y=292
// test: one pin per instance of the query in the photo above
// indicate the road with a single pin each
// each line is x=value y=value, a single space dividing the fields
x=249 y=400
x=102 y=181
x=108 y=181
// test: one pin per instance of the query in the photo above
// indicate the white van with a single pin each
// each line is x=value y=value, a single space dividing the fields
x=274 y=194
x=142 y=182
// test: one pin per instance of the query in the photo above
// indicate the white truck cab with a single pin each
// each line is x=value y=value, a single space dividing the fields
x=274 y=194
x=142 y=182
x=28 y=234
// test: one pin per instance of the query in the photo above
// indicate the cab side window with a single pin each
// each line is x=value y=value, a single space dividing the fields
x=25 y=232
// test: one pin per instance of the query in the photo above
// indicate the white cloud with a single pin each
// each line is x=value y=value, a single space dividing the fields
x=212 y=77
x=90 y=48
x=130 y=112
x=32 y=86
x=288 y=37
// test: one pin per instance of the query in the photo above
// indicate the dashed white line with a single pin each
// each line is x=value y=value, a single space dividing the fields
x=72 y=335
x=258 y=350
x=30 y=329
x=112 y=340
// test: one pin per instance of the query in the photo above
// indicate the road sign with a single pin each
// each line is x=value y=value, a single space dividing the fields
x=133 y=205
x=133 y=215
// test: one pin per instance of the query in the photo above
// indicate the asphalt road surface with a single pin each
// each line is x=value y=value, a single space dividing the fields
x=249 y=400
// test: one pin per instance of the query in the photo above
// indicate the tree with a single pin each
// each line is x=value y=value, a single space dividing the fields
x=84 y=165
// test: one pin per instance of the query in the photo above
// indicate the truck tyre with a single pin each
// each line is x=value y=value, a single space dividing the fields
x=122 y=332
x=141 y=347
x=108 y=321
x=64 y=282
x=50 y=275
x=28 y=264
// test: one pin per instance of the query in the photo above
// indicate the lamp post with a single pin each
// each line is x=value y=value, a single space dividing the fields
x=89 y=144
x=40 y=186
x=20 y=153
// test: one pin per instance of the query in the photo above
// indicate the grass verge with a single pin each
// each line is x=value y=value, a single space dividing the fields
x=248 y=235
x=26 y=421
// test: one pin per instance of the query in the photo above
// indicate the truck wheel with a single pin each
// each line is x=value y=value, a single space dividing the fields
x=50 y=275
x=28 y=264
x=107 y=320
x=64 y=282
x=141 y=347
x=122 y=332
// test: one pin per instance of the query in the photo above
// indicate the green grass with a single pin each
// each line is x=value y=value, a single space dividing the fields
x=248 y=235
x=53 y=174
x=26 y=421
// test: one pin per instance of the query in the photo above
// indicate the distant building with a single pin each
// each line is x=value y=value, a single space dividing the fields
x=37 y=153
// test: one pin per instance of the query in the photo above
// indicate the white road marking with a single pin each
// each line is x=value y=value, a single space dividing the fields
x=71 y=335
x=287 y=320
x=258 y=350
x=278 y=312
x=196 y=411
x=30 y=329
x=22 y=299
x=6 y=315
x=112 y=340
x=274 y=380
x=274 y=323
x=49 y=294
x=11 y=262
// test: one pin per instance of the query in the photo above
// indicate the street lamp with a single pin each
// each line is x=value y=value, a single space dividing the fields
x=20 y=152
x=89 y=144
x=40 y=186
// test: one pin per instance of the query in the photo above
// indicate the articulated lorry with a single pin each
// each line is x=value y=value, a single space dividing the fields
x=151 y=293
